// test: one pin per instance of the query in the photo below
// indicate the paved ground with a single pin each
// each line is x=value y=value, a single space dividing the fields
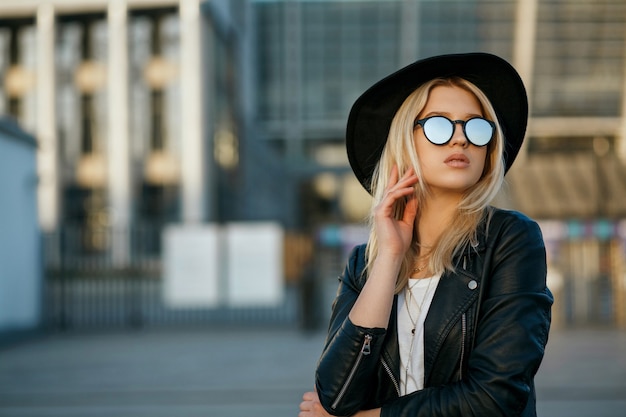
x=250 y=372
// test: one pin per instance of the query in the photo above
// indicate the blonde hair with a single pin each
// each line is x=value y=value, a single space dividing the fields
x=400 y=150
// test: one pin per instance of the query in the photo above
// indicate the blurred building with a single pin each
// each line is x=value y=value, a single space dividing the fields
x=151 y=112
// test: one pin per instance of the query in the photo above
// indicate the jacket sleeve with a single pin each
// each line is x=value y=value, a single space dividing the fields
x=351 y=352
x=511 y=334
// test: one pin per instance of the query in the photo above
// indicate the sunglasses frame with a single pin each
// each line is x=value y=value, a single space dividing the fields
x=422 y=122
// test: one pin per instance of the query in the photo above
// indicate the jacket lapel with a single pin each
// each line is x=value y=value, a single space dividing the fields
x=391 y=349
x=454 y=294
x=452 y=298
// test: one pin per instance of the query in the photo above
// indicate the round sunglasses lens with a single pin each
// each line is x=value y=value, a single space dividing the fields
x=438 y=130
x=478 y=131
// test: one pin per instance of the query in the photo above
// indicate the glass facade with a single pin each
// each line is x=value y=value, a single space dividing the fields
x=154 y=52
x=81 y=96
x=342 y=47
x=224 y=139
x=579 y=63
x=460 y=26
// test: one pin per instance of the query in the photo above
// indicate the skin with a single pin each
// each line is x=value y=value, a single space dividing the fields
x=449 y=170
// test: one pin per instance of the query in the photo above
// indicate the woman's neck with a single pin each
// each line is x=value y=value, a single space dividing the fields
x=435 y=216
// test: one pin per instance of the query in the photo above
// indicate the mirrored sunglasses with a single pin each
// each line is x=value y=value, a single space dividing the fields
x=439 y=129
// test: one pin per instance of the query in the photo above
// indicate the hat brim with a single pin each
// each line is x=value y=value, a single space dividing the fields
x=371 y=115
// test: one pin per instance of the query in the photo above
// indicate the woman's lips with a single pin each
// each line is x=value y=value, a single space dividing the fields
x=457 y=160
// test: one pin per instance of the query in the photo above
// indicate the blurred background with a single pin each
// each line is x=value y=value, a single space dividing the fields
x=177 y=163
x=135 y=118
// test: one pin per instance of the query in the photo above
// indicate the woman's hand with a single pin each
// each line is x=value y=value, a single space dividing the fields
x=311 y=406
x=395 y=235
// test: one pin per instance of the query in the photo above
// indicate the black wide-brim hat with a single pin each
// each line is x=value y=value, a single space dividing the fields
x=371 y=115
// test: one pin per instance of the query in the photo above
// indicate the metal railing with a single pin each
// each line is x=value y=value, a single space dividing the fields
x=86 y=287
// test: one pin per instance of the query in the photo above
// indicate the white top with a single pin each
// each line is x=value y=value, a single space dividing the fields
x=412 y=345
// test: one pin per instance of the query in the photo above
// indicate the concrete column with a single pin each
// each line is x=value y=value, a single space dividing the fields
x=621 y=135
x=47 y=156
x=618 y=278
x=524 y=48
x=118 y=141
x=193 y=173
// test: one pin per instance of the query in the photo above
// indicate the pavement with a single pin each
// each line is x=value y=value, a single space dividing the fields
x=260 y=372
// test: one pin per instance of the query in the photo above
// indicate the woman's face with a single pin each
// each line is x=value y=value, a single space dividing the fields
x=457 y=165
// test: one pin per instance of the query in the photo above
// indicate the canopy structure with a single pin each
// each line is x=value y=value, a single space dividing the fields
x=568 y=185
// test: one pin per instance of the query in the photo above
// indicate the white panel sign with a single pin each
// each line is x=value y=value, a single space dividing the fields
x=191 y=266
x=255 y=264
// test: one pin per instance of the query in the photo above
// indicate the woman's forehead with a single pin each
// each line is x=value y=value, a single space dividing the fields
x=452 y=101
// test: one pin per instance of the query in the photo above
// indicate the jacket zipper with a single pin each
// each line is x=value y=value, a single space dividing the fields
x=463 y=336
x=365 y=350
x=463 y=330
x=393 y=378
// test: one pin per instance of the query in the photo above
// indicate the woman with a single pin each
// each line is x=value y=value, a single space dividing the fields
x=445 y=311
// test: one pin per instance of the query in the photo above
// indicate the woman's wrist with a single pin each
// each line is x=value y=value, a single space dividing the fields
x=373 y=305
x=388 y=259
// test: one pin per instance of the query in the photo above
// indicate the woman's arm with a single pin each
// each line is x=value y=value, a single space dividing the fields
x=360 y=316
x=373 y=306
x=350 y=357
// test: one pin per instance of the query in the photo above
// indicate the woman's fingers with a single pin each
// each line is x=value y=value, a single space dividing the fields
x=403 y=185
x=410 y=209
x=394 y=180
x=409 y=179
x=310 y=396
x=311 y=407
x=393 y=177
x=396 y=190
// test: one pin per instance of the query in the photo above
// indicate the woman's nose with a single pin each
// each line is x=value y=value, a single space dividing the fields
x=458 y=135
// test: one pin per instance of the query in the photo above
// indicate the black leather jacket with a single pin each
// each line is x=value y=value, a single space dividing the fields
x=484 y=335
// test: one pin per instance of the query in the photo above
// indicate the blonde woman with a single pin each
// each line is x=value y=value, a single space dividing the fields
x=445 y=310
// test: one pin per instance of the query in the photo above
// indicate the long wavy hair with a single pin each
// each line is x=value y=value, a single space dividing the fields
x=473 y=207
